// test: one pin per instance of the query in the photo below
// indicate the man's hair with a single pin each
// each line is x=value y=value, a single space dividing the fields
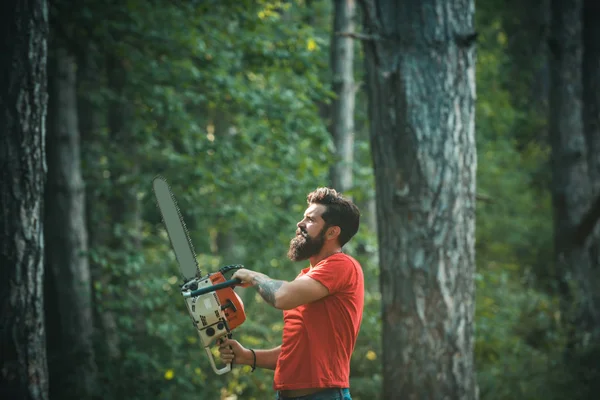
x=339 y=211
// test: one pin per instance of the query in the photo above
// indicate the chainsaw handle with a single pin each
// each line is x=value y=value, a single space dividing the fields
x=204 y=290
x=218 y=371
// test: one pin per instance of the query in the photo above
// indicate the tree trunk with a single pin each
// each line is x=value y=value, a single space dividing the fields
x=71 y=357
x=225 y=238
x=342 y=61
x=124 y=204
x=93 y=149
x=570 y=180
x=23 y=99
x=591 y=126
x=420 y=67
x=125 y=242
x=591 y=90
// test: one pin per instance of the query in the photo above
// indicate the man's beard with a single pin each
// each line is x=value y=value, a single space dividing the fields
x=303 y=247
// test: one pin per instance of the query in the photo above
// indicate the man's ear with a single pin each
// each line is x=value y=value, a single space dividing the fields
x=333 y=232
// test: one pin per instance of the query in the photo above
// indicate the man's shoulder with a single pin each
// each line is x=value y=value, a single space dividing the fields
x=346 y=262
x=345 y=258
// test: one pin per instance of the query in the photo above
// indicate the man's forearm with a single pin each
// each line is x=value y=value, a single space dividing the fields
x=264 y=358
x=267 y=287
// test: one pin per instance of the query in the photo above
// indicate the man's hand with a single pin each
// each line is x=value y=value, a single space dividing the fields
x=280 y=294
x=246 y=276
x=233 y=352
x=266 y=286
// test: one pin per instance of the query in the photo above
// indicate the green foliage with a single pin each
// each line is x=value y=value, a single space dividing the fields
x=520 y=332
x=224 y=99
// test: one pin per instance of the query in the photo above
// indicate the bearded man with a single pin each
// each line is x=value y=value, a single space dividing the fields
x=323 y=306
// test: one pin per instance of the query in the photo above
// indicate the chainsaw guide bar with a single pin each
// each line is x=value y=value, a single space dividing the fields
x=214 y=307
x=176 y=229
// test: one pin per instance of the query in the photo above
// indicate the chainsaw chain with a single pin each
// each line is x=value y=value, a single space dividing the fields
x=229 y=268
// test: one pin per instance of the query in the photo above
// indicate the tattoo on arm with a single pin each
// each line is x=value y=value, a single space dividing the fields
x=267 y=288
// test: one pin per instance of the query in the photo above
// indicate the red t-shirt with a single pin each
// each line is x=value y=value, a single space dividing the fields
x=319 y=338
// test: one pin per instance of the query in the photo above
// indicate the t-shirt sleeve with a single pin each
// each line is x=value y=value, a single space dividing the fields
x=335 y=274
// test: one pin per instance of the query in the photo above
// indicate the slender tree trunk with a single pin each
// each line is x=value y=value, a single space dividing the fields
x=420 y=67
x=71 y=357
x=23 y=102
x=570 y=180
x=94 y=150
x=342 y=62
x=370 y=214
x=124 y=205
x=124 y=243
x=225 y=239
x=527 y=25
x=591 y=88
x=591 y=126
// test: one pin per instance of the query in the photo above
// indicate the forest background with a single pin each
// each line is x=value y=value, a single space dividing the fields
x=234 y=103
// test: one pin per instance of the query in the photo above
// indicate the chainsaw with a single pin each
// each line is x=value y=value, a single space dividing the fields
x=214 y=307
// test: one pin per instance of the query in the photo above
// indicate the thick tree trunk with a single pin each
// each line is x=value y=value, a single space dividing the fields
x=570 y=180
x=23 y=102
x=71 y=357
x=342 y=62
x=420 y=66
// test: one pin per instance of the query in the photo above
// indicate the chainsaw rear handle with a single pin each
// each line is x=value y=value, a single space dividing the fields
x=204 y=290
x=218 y=371
x=226 y=368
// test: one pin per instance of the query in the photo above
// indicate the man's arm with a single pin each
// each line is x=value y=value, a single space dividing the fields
x=232 y=351
x=288 y=295
x=265 y=358
x=269 y=289
x=281 y=294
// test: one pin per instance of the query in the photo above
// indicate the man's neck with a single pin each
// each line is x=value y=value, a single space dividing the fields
x=323 y=254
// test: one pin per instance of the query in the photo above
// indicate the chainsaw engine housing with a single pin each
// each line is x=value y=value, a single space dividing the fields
x=214 y=314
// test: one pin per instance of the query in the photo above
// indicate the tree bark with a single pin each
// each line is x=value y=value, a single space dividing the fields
x=71 y=357
x=570 y=180
x=420 y=65
x=342 y=62
x=23 y=102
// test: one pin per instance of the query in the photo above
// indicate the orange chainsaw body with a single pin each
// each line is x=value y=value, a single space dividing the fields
x=231 y=303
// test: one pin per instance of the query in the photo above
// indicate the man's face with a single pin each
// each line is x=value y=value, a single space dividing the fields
x=310 y=235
